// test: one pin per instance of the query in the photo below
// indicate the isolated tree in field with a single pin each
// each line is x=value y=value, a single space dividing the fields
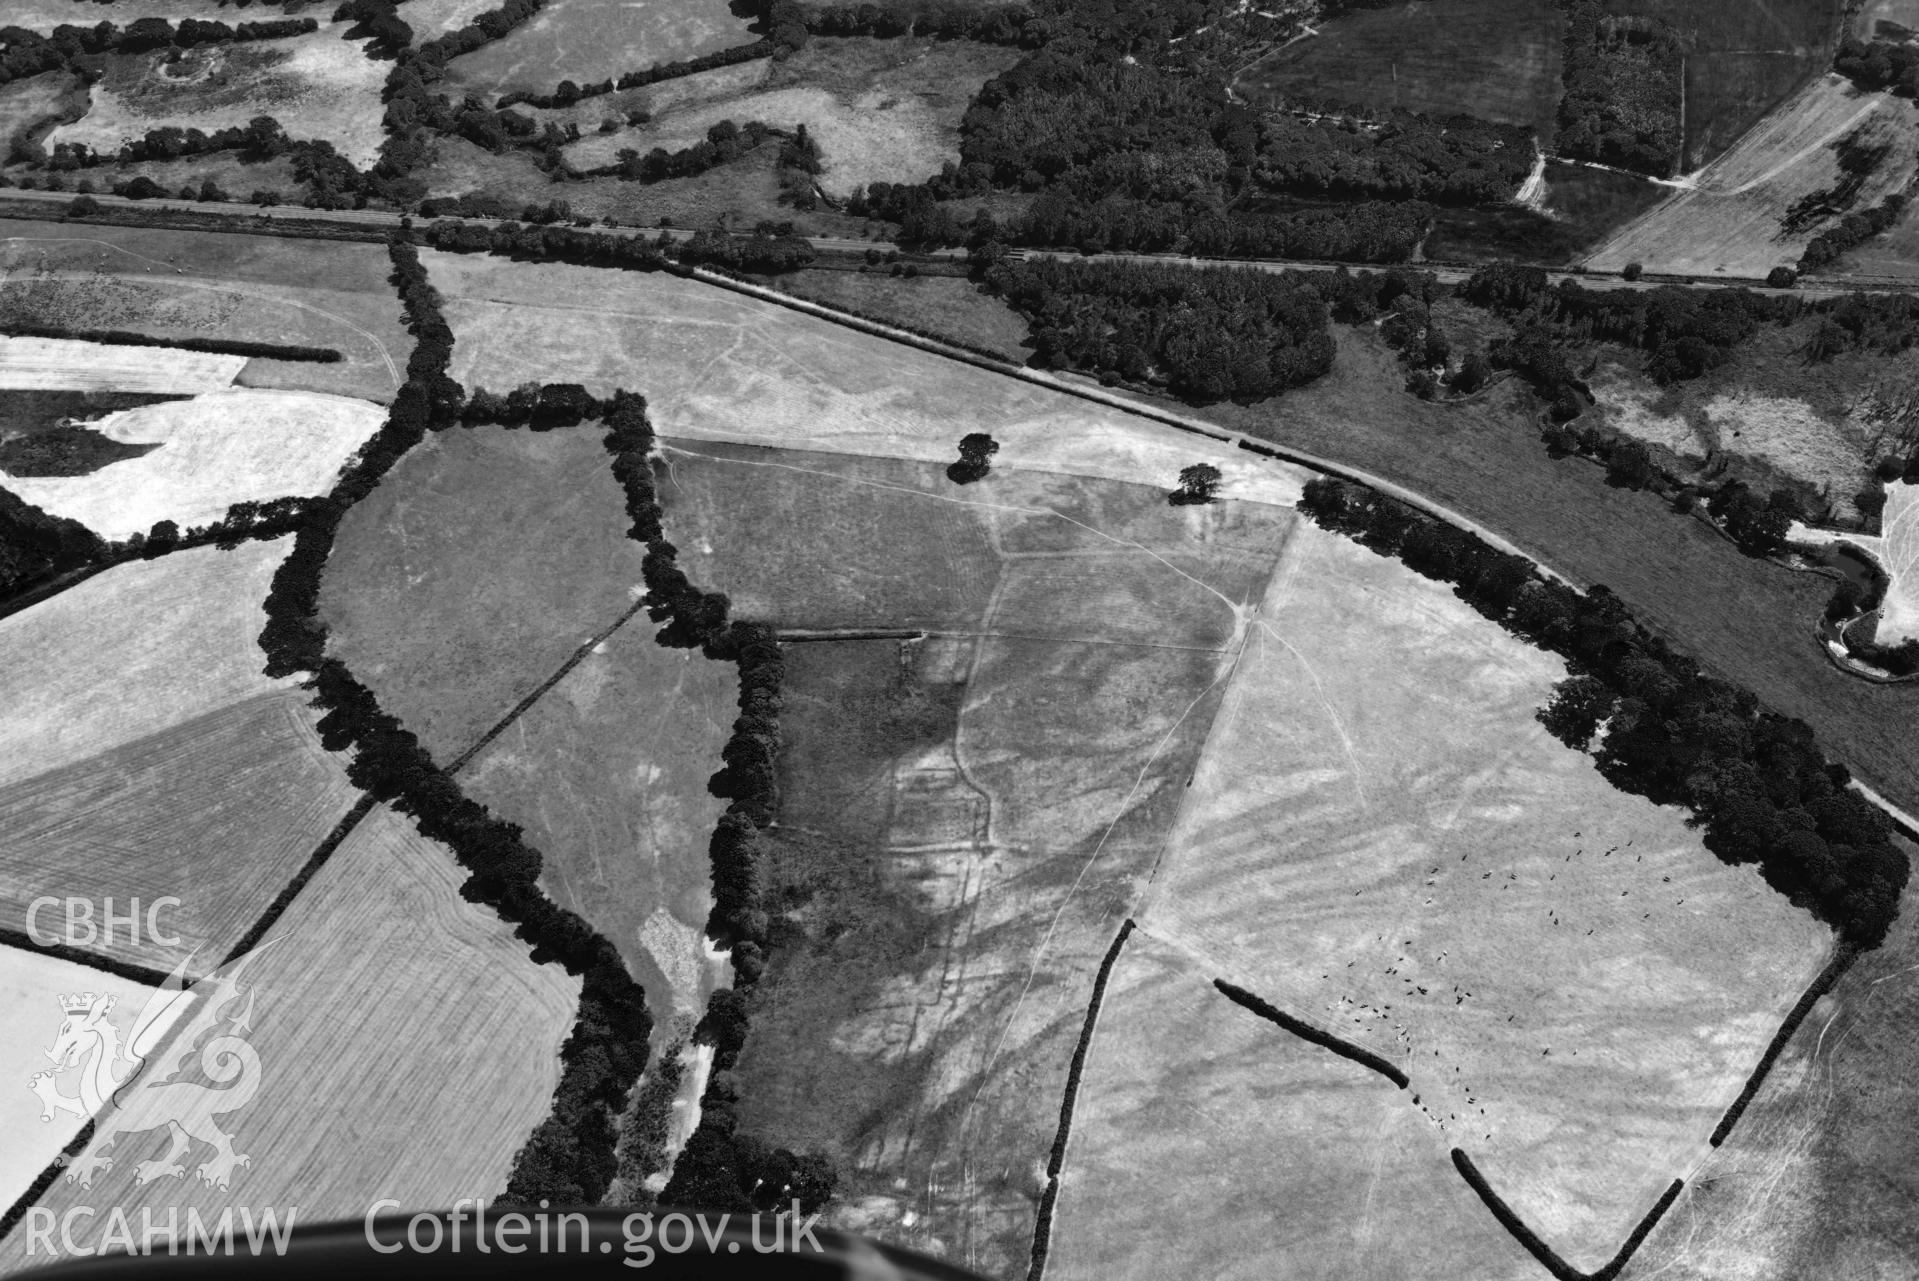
x=976 y=454
x=1198 y=483
x=1632 y=271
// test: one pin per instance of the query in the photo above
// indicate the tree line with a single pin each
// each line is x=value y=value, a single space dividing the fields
x=220 y=346
x=1454 y=160
x=26 y=53
x=566 y=93
x=1851 y=231
x=1754 y=781
x=761 y=252
x=1207 y=335
x=1892 y=66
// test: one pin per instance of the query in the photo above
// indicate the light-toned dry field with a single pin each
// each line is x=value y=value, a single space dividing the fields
x=319 y=85
x=657 y=99
x=1381 y=840
x=482 y=562
x=433 y=18
x=132 y=652
x=407 y=1046
x=966 y=818
x=176 y=284
x=1626 y=401
x=1896 y=548
x=715 y=365
x=607 y=773
x=590 y=40
x=218 y=812
x=1728 y=222
x=215 y=450
x=53 y=364
x=1273 y=1157
x=31 y=985
x=881 y=110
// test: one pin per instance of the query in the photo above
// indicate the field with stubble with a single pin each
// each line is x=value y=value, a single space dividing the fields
x=1381 y=841
x=387 y=1008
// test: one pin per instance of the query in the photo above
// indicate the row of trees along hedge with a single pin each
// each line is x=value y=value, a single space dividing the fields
x=721 y=1168
x=1850 y=232
x=1218 y=334
x=220 y=346
x=1623 y=93
x=1882 y=64
x=569 y=1157
x=1003 y=24
x=761 y=252
x=1753 y=780
x=567 y=93
x=724 y=143
x=26 y=53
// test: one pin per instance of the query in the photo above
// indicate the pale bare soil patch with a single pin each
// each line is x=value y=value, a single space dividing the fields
x=386 y=1008
x=31 y=984
x=54 y=364
x=1274 y=1157
x=318 y=85
x=716 y=365
x=1728 y=224
x=215 y=450
x=1791 y=435
x=1381 y=840
x=132 y=651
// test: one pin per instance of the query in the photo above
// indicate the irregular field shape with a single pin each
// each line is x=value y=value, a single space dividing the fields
x=1373 y=819
x=132 y=652
x=173 y=284
x=219 y=812
x=656 y=99
x=607 y=773
x=31 y=984
x=215 y=450
x=407 y=1045
x=1275 y=1158
x=485 y=558
x=318 y=85
x=1790 y=434
x=1896 y=548
x=1728 y=223
x=62 y=363
x=1495 y=59
x=591 y=40
x=716 y=365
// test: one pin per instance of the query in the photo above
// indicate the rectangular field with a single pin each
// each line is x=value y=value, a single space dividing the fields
x=63 y=364
x=1274 y=1157
x=406 y=1047
x=1380 y=840
x=1729 y=222
x=483 y=561
x=1494 y=59
x=178 y=284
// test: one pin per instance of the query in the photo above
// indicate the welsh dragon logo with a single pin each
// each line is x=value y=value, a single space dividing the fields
x=126 y=1082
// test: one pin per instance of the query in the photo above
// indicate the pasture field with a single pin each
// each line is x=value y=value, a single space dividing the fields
x=718 y=366
x=64 y=364
x=882 y=110
x=1382 y=841
x=318 y=85
x=590 y=40
x=1817 y=1182
x=31 y=984
x=218 y=811
x=482 y=562
x=433 y=18
x=214 y=450
x=29 y=105
x=1275 y=1157
x=1495 y=59
x=966 y=817
x=1746 y=620
x=952 y=305
x=1729 y=222
x=174 y=284
x=368 y=1021
x=607 y=773
x=1743 y=59
x=132 y=652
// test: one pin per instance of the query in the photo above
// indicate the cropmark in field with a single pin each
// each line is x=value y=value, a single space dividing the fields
x=214 y=450
x=144 y=755
x=1382 y=842
x=1731 y=218
x=402 y=1045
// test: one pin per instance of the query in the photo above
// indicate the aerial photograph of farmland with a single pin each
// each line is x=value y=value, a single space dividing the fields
x=993 y=640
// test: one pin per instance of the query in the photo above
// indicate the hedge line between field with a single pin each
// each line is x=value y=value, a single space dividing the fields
x=216 y=346
x=562 y=97
x=1043 y=1221
x=569 y=1156
x=1548 y=1257
x=1307 y=1032
x=1835 y=970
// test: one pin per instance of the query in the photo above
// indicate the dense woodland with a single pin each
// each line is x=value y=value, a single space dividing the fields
x=1214 y=335
x=1753 y=780
x=26 y=53
x=1623 y=92
x=1883 y=64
